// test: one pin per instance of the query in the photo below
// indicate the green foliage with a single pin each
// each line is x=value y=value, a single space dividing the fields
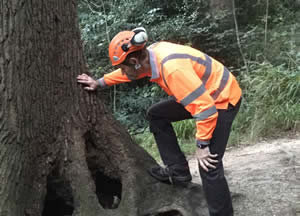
x=273 y=38
x=146 y=140
x=177 y=21
x=271 y=101
x=185 y=129
x=253 y=12
x=133 y=103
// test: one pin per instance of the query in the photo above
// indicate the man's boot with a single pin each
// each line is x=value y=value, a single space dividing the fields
x=171 y=174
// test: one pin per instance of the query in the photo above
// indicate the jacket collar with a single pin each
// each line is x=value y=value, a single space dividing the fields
x=153 y=63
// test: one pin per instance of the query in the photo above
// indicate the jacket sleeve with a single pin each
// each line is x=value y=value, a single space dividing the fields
x=116 y=77
x=189 y=90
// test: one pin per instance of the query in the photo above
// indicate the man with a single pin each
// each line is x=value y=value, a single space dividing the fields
x=202 y=89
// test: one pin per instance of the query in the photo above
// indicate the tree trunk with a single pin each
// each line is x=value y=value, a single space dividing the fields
x=218 y=5
x=61 y=151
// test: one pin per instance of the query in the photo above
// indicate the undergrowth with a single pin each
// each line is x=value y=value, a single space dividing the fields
x=271 y=101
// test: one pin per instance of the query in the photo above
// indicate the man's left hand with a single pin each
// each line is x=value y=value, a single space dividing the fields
x=206 y=159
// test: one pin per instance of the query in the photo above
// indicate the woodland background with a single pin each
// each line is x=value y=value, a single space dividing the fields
x=259 y=40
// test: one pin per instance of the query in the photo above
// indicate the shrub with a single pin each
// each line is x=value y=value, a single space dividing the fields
x=271 y=101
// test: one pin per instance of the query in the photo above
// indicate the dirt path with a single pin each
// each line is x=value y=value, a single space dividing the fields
x=264 y=178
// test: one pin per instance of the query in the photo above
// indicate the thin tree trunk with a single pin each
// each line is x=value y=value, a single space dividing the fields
x=61 y=151
x=238 y=37
x=266 y=26
x=219 y=5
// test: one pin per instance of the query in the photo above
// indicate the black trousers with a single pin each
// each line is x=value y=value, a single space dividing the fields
x=215 y=186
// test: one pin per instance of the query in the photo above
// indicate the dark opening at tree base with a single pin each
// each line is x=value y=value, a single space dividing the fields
x=170 y=213
x=59 y=199
x=108 y=191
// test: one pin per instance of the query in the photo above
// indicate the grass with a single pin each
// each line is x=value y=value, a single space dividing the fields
x=271 y=101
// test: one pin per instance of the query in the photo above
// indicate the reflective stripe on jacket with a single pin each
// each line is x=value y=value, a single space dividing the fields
x=200 y=83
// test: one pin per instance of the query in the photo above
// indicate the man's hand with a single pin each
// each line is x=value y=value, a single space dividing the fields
x=89 y=81
x=206 y=159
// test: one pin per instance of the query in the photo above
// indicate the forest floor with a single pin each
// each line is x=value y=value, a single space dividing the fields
x=264 y=178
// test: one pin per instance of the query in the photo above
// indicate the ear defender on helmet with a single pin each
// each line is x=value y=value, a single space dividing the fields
x=140 y=36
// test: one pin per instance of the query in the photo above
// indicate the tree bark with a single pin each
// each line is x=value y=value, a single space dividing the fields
x=61 y=151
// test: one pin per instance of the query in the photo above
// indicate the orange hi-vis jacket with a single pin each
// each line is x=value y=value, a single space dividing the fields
x=200 y=83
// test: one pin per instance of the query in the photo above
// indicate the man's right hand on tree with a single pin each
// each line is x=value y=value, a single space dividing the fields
x=90 y=83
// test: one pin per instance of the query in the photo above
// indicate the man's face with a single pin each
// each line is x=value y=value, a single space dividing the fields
x=130 y=71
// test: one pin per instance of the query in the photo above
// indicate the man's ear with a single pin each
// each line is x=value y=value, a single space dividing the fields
x=133 y=61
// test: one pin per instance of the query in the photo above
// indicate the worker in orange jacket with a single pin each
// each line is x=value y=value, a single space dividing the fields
x=200 y=88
